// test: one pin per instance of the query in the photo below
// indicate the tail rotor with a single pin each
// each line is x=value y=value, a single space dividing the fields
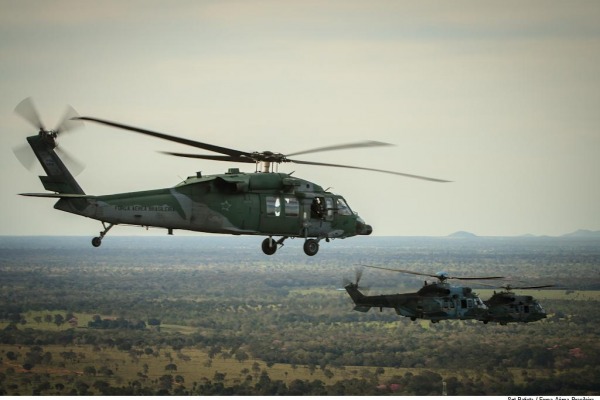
x=347 y=283
x=27 y=110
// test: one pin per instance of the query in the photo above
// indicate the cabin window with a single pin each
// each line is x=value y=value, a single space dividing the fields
x=526 y=309
x=329 y=206
x=273 y=206
x=448 y=304
x=469 y=303
x=342 y=207
x=292 y=207
x=463 y=303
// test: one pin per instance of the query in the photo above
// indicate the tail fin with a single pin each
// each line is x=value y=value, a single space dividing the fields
x=58 y=179
x=357 y=297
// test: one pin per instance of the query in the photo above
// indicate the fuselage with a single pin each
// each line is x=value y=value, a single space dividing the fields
x=232 y=203
x=435 y=302
x=267 y=203
x=505 y=307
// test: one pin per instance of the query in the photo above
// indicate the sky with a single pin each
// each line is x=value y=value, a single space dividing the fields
x=500 y=97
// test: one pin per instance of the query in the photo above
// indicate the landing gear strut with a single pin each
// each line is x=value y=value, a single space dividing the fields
x=269 y=246
x=97 y=241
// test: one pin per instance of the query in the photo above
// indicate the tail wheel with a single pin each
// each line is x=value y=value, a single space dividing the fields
x=311 y=247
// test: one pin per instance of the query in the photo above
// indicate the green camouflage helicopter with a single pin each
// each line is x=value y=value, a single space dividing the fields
x=434 y=301
x=506 y=306
x=262 y=203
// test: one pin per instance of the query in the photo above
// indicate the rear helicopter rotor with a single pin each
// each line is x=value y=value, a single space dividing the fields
x=358 y=273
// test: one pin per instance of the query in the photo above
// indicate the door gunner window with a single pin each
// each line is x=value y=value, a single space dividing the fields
x=317 y=208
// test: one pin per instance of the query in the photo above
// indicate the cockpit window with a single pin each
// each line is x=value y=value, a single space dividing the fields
x=342 y=207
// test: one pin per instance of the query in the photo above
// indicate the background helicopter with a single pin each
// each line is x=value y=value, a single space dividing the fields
x=261 y=203
x=434 y=301
x=506 y=306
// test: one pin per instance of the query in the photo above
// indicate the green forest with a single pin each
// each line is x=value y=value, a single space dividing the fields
x=214 y=316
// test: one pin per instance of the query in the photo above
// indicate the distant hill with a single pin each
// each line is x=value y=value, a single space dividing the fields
x=462 y=234
x=583 y=233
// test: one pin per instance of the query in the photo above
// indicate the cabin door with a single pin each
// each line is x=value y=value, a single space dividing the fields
x=280 y=215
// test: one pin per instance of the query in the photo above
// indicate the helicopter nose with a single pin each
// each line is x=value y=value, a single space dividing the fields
x=363 y=229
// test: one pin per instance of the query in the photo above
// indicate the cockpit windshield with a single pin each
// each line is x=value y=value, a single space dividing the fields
x=479 y=303
x=342 y=207
x=538 y=307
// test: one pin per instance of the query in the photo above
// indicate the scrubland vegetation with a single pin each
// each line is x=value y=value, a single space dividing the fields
x=213 y=315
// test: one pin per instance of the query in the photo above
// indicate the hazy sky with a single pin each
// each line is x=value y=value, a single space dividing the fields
x=500 y=97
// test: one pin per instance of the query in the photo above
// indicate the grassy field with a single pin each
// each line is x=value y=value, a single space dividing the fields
x=191 y=365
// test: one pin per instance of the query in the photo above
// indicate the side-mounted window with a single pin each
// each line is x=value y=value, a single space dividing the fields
x=292 y=207
x=273 y=206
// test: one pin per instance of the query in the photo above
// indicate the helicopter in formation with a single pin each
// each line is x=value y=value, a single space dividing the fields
x=440 y=301
x=434 y=301
x=506 y=306
x=262 y=203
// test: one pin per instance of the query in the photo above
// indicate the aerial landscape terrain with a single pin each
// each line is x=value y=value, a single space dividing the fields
x=206 y=315
x=221 y=150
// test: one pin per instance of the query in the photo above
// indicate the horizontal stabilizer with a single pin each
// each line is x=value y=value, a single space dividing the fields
x=58 y=195
x=362 y=308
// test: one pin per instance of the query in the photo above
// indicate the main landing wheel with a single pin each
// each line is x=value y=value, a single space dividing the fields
x=97 y=241
x=269 y=246
x=311 y=247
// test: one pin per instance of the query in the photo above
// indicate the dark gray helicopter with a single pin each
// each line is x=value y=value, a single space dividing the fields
x=506 y=306
x=434 y=301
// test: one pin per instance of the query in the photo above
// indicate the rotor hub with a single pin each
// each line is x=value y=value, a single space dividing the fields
x=49 y=136
x=268 y=156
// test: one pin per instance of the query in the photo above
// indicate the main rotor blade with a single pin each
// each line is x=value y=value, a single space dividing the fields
x=401 y=270
x=26 y=109
x=366 y=143
x=188 y=142
x=476 y=279
x=368 y=169
x=436 y=275
x=209 y=157
x=508 y=287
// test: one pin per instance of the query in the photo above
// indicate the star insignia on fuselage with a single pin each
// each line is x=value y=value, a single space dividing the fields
x=225 y=206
